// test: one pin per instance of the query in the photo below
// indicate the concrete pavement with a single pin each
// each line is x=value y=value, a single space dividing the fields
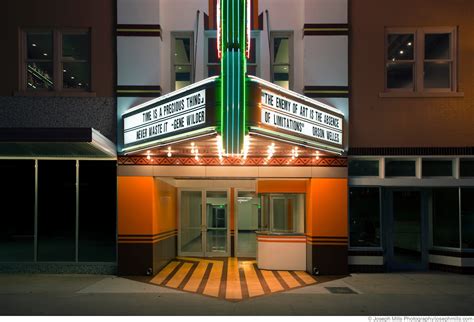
x=432 y=293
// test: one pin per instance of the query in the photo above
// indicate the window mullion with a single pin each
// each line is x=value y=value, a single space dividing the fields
x=419 y=60
x=57 y=60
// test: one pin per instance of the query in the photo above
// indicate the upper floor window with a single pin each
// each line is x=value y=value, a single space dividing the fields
x=182 y=62
x=281 y=57
x=55 y=60
x=212 y=61
x=420 y=60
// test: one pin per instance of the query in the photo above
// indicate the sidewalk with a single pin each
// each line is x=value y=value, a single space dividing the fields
x=432 y=293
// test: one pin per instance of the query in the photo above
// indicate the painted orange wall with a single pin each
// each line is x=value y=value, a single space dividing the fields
x=326 y=206
x=135 y=205
x=276 y=186
x=165 y=209
x=146 y=206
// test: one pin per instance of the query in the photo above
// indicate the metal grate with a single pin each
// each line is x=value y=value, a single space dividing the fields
x=340 y=290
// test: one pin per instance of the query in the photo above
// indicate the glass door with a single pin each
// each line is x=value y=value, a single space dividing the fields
x=247 y=221
x=191 y=235
x=203 y=223
x=407 y=236
x=216 y=223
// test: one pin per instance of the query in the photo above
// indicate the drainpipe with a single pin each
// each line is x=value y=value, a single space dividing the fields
x=269 y=43
x=196 y=32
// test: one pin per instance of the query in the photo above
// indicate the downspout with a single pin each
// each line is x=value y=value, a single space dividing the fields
x=269 y=43
x=196 y=32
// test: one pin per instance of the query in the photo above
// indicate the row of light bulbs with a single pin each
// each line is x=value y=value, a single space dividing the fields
x=221 y=151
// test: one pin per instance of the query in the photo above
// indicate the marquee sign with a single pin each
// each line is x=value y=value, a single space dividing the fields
x=283 y=114
x=182 y=113
x=169 y=117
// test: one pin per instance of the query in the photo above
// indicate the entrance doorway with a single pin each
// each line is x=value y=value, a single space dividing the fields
x=248 y=220
x=204 y=223
x=407 y=233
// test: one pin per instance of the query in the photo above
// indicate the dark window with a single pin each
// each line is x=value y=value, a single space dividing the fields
x=281 y=59
x=97 y=210
x=435 y=168
x=56 y=210
x=213 y=62
x=467 y=217
x=182 y=68
x=399 y=168
x=400 y=60
x=466 y=168
x=212 y=57
x=446 y=217
x=363 y=168
x=17 y=215
x=364 y=214
x=437 y=66
x=252 y=60
x=72 y=60
x=420 y=59
x=399 y=75
x=75 y=60
x=39 y=60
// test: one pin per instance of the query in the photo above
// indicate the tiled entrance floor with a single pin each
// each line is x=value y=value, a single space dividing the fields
x=228 y=278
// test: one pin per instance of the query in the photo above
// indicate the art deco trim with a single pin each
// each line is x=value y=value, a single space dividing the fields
x=250 y=161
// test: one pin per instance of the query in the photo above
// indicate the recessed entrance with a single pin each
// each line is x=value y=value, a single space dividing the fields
x=407 y=237
x=204 y=223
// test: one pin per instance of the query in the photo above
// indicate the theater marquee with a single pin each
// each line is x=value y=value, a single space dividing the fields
x=270 y=111
x=171 y=117
x=286 y=115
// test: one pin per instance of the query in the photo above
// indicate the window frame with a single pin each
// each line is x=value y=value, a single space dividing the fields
x=181 y=34
x=453 y=165
x=208 y=34
x=379 y=161
x=419 y=60
x=254 y=34
x=56 y=60
x=282 y=34
x=398 y=159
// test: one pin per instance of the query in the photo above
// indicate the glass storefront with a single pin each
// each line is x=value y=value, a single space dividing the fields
x=58 y=211
x=17 y=197
x=408 y=223
x=364 y=216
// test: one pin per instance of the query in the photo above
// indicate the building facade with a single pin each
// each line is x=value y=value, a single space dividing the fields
x=335 y=134
x=57 y=134
x=410 y=155
x=201 y=193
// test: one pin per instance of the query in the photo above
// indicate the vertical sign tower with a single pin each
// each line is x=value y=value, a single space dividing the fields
x=233 y=43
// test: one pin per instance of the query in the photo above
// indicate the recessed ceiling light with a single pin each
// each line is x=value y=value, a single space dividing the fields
x=72 y=77
x=80 y=84
x=401 y=52
x=64 y=70
x=34 y=45
x=45 y=54
x=409 y=44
